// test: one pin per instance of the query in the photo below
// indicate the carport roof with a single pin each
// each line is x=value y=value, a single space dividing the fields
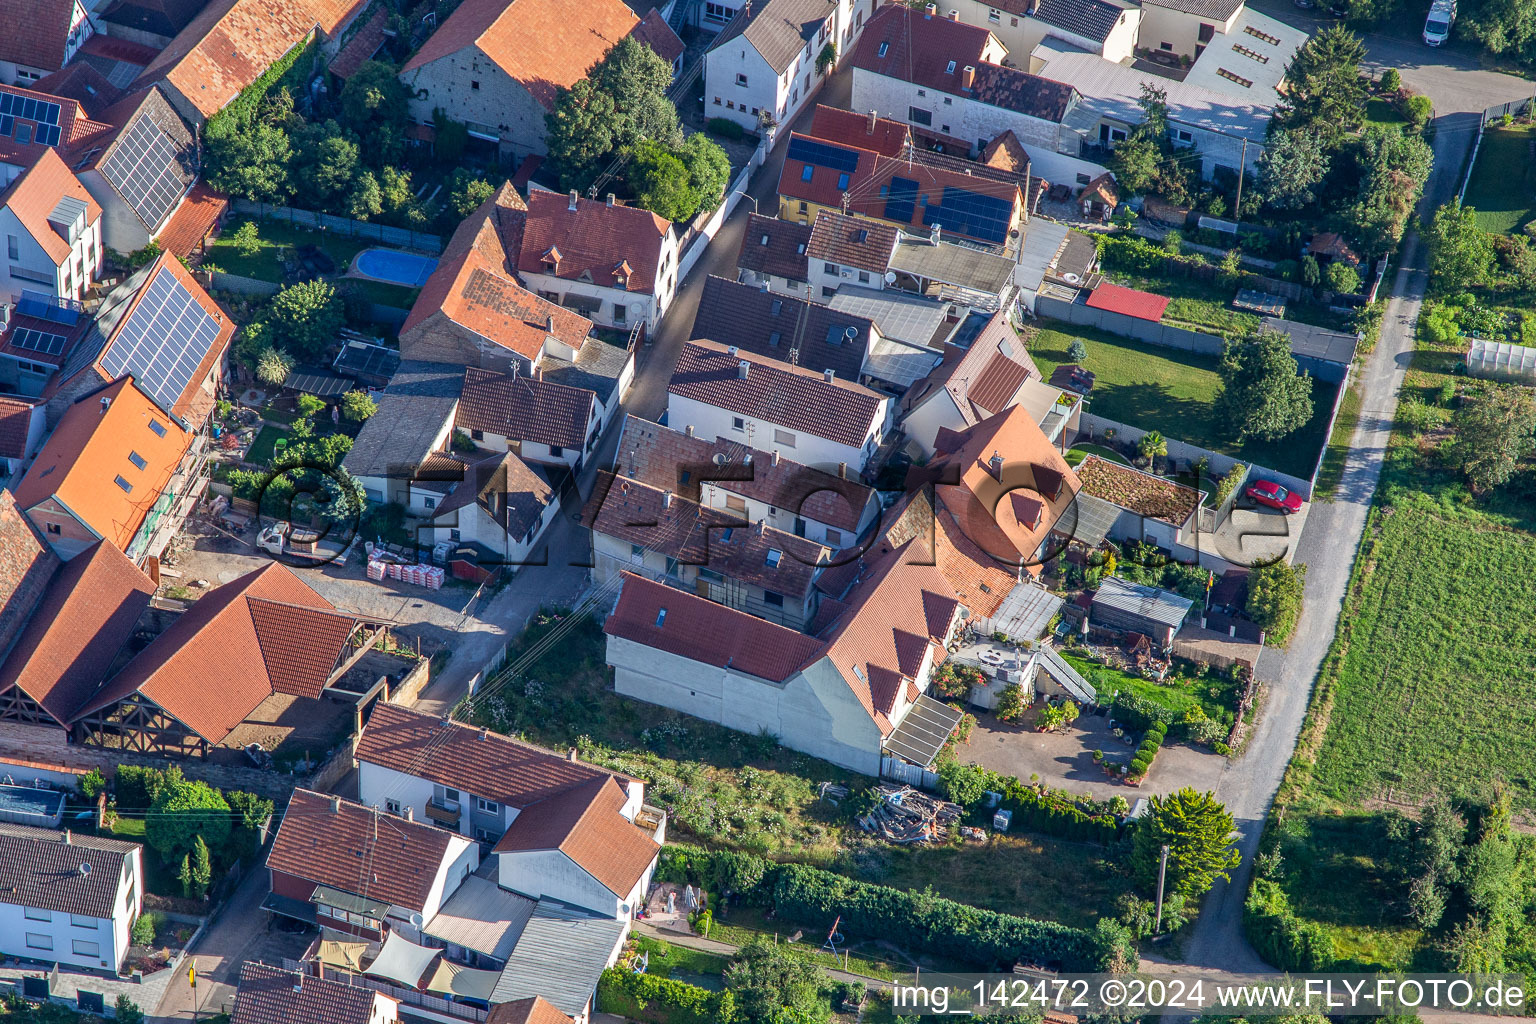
x=1026 y=611
x=923 y=732
x=1088 y=520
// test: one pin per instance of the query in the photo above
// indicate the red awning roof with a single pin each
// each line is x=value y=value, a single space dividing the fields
x=1116 y=299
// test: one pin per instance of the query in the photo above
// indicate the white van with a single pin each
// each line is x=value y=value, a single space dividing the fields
x=1437 y=27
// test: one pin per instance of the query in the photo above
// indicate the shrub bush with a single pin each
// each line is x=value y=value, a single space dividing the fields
x=1137 y=713
x=145 y=927
x=650 y=997
x=725 y=128
x=1279 y=936
x=90 y=784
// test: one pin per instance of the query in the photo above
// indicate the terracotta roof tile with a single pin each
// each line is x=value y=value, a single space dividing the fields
x=543 y=44
x=15 y=427
x=533 y=1010
x=258 y=646
x=483 y=763
x=233 y=42
x=773 y=246
x=1021 y=92
x=272 y=995
x=72 y=122
x=701 y=630
x=594 y=240
x=852 y=241
x=919 y=48
x=774 y=325
x=85 y=617
x=659 y=456
x=865 y=131
x=359 y=49
x=193 y=219
x=1005 y=151
x=35 y=193
x=584 y=823
x=1131 y=302
x=982 y=379
x=512 y=493
x=360 y=850
x=38 y=868
x=826 y=185
x=795 y=398
x=92 y=447
x=524 y=408
x=36 y=33
x=712 y=538
x=26 y=566
x=654 y=32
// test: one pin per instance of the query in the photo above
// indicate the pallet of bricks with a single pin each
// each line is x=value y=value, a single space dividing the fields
x=420 y=574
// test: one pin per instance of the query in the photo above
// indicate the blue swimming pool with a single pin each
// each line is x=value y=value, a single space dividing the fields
x=28 y=805
x=395 y=267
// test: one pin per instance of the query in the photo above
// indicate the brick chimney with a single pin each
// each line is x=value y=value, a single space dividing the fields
x=869 y=124
x=968 y=78
x=610 y=198
x=995 y=464
x=775 y=457
x=842 y=471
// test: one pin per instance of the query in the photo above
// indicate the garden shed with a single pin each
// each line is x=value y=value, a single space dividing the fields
x=1136 y=607
x=1499 y=360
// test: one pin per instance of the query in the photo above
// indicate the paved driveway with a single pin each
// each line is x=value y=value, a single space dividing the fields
x=1064 y=760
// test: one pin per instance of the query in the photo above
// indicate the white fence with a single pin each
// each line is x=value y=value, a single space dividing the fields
x=695 y=245
x=906 y=773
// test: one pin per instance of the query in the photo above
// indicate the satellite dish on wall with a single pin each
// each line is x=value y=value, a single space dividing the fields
x=416 y=920
x=890 y=277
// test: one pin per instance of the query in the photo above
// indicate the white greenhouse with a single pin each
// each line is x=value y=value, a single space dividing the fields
x=1500 y=360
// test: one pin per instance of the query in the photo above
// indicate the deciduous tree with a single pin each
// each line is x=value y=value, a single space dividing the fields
x=306 y=318
x=1274 y=598
x=1262 y=395
x=1460 y=252
x=1492 y=432
x=770 y=981
x=1292 y=167
x=184 y=811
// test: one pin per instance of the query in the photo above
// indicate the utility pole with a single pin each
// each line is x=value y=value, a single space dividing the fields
x=1162 y=873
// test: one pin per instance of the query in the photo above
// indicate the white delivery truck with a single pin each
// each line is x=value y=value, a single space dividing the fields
x=1437 y=27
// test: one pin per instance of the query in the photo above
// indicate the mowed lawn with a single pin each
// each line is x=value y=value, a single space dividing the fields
x=1174 y=392
x=1503 y=185
x=1434 y=688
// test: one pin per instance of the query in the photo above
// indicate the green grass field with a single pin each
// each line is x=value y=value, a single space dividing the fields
x=265 y=264
x=1425 y=693
x=1332 y=469
x=1199 y=304
x=1078 y=452
x=1503 y=185
x=263 y=448
x=1214 y=694
x=1380 y=111
x=1174 y=392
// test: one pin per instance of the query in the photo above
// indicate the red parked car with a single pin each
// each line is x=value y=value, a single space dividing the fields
x=1272 y=494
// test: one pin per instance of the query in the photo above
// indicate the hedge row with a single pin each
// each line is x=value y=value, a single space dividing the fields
x=1138 y=713
x=1279 y=936
x=658 y=1000
x=1151 y=743
x=1053 y=814
x=1134 y=255
x=920 y=922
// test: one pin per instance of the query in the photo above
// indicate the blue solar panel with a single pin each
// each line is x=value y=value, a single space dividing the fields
x=42 y=306
x=163 y=340
x=900 y=200
x=823 y=155
x=969 y=213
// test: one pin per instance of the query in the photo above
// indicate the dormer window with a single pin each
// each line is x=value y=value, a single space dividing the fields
x=661 y=618
x=552 y=259
x=775 y=556
x=763 y=240
x=621 y=274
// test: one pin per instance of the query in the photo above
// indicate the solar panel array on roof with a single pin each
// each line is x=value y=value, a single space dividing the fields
x=823 y=155
x=163 y=341
x=900 y=200
x=143 y=168
x=44 y=307
x=38 y=341
x=969 y=213
x=29 y=108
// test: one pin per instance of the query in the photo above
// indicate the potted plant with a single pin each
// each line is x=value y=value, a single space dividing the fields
x=1098 y=755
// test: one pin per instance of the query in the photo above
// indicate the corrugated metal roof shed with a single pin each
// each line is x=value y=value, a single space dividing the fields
x=482 y=916
x=1151 y=603
x=561 y=955
x=899 y=315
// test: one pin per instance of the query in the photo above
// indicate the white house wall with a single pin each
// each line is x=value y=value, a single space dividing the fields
x=499 y=107
x=62 y=930
x=815 y=712
x=711 y=422
x=462 y=858
x=552 y=874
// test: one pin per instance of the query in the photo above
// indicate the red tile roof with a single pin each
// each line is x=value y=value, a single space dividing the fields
x=26 y=566
x=865 y=131
x=660 y=456
x=474 y=286
x=267 y=631
x=533 y=1010
x=15 y=426
x=233 y=42
x=525 y=408
x=78 y=83
x=360 y=850
x=823 y=188
x=477 y=761
x=920 y=48
x=792 y=397
x=584 y=823
x=852 y=241
x=41 y=868
x=543 y=44
x=36 y=32
x=193 y=220
x=92 y=447
x=1006 y=152
x=773 y=246
x=71 y=119
x=34 y=195
x=983 y=379
x=594 y=241
x=654 y=32
x=272 y=995
x=85 y=617
x=365 y=42
x=698 y=629
x=1130 y=301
